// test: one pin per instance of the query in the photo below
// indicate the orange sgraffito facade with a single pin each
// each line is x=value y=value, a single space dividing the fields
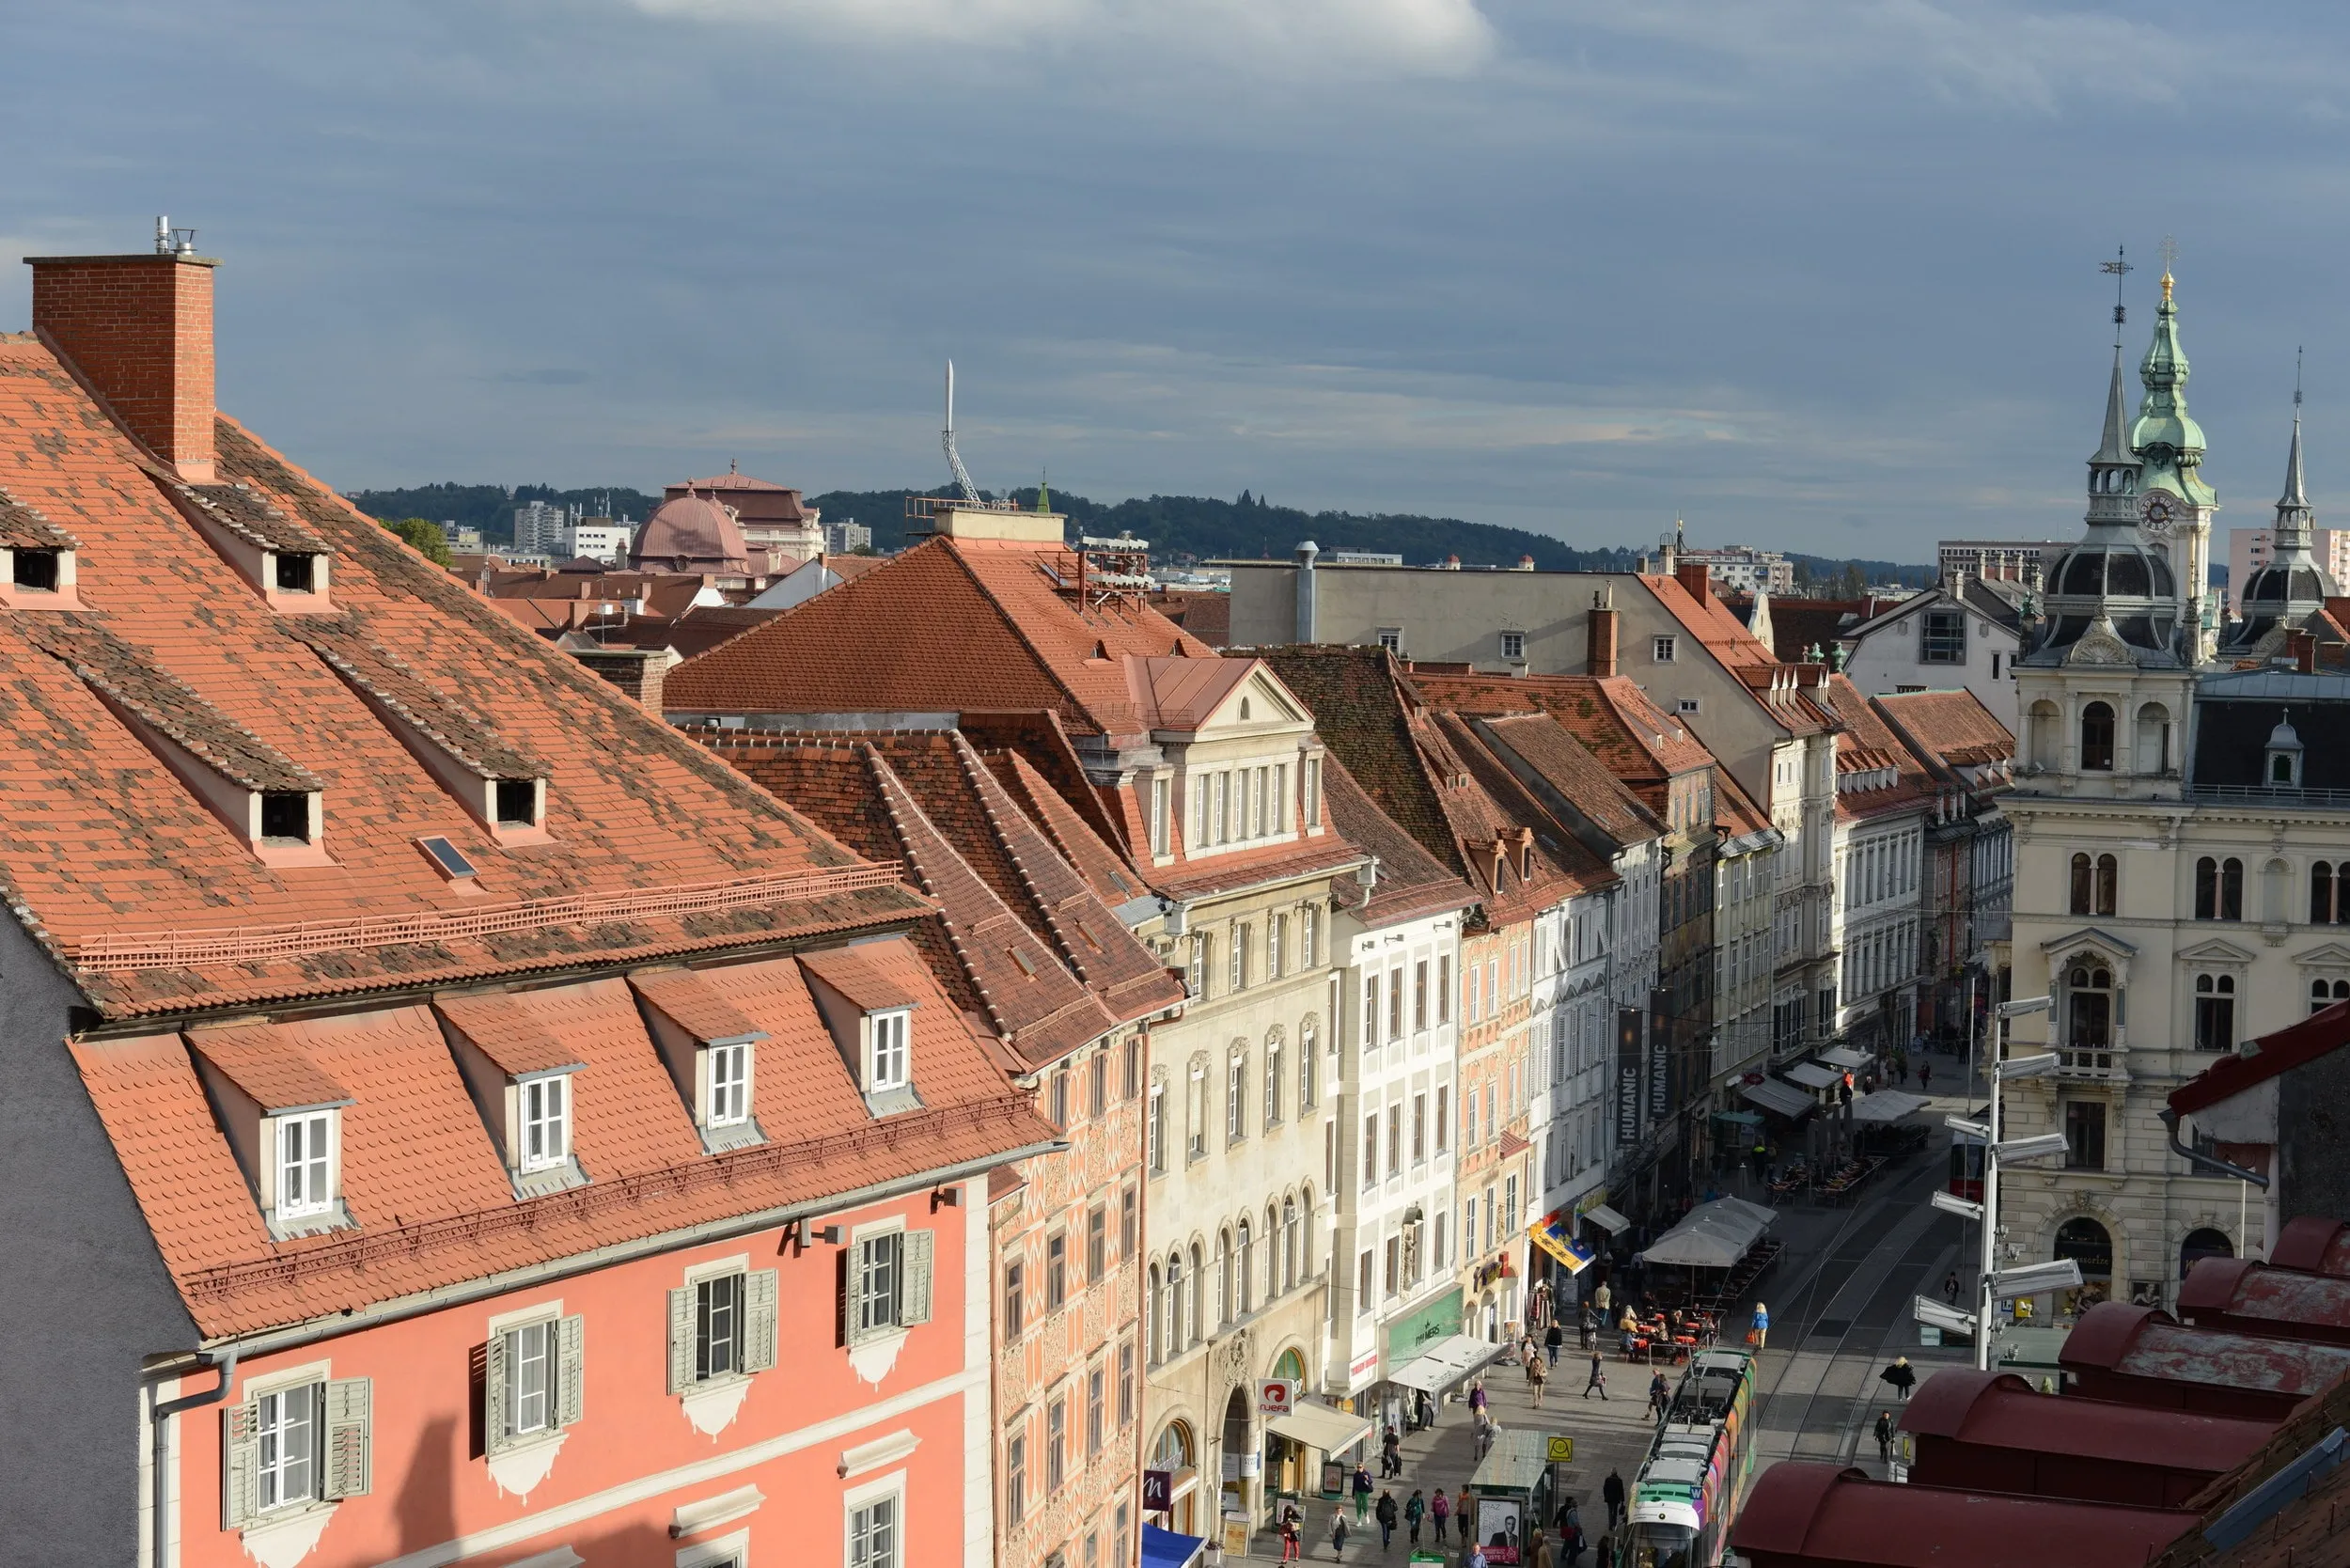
x=773 y=1466
x=1495 y=1058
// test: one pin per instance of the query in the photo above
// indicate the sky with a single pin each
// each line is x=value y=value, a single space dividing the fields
x=1819 y=275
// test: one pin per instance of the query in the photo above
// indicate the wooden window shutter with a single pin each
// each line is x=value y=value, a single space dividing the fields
x=495 y=1411
x=570 y=1369
x=349 y=1441
x=914 y=1300
x=844 y=1312
x=681 y=1339
x=758 y=1295
x=239 y=1465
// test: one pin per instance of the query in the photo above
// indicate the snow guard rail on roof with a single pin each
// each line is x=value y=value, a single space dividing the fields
x=172 y=949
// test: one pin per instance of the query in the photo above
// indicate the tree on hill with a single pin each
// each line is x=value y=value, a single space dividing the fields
x=426 y=538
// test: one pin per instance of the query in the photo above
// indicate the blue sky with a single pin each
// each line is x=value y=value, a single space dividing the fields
x=1820 y=273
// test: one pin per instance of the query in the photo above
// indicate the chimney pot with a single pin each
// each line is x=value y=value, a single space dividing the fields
x=1693 y=576
x=139 y=329
x=1599 y=633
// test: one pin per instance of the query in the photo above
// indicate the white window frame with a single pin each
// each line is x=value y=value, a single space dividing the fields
x=1663 y=650
x=1513 y=645
x=548 y=1331
x=542 y=1117
x=890 y=1489
x=267 y=1471
x=865 y=1246
x=292 y=1172
x=728 y=1067
x=888 y=1050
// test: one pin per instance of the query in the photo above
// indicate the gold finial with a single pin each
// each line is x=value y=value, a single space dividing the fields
x=2166 y=288
x=2169 y=255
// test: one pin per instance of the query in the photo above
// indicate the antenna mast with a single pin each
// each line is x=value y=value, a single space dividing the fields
x=954 y=459
x=2118 y=268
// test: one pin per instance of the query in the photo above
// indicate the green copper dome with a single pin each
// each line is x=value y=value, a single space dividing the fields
x=2166 y=437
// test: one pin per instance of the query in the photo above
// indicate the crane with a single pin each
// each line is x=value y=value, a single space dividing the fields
x=947 y=439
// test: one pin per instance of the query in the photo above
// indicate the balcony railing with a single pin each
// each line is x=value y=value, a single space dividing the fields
x=2272 y=794
x=2091 y=1061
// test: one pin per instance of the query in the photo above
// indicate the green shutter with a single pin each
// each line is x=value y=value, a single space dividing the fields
x=914 y=1298
x=681 y=1340
x=758 y=1301
x=349 y=1459
x=570 y=1369
x=495 y=1409
x=239 y=1463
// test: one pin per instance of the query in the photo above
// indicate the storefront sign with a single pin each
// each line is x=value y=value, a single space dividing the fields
x=1276 y=1396
x=1660 y=1057
x=1627 y=1076
x=1158 y=1491
x=1407 y=1337
x=1363 y=1370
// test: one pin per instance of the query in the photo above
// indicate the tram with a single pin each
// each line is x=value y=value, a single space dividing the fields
x=1695 y=1478
x=1966 y=1178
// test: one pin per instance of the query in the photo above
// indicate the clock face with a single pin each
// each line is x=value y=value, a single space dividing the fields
x=2156 y=511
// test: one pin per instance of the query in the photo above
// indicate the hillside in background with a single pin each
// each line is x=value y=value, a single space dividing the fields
x=1182 y=530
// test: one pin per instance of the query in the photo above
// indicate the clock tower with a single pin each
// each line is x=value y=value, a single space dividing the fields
x=2175 y=505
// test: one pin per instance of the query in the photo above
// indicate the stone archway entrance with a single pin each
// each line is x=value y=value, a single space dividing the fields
x=2202 y=1244
x=1237 y=1443
x=2090 y=1245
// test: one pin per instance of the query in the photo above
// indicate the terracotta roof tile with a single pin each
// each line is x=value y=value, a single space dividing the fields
x=24 y=529
x=260 y=1060
x=1411 y=883
x=1947 y=725
x=867 y=985
x=508 y=1032
x=686 y=997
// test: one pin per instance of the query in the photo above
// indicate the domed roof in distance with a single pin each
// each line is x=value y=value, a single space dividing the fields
x=695 y=530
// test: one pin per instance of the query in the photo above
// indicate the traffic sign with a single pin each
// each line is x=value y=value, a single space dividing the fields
x=1561 y=1450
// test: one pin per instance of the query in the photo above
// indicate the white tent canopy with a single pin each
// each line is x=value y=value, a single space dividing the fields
x=1446 y=1362
x=1843 y=1056
x=1887 y=1105
x=1771 y=1095
x=1812 y=1075
x=1713 y=1235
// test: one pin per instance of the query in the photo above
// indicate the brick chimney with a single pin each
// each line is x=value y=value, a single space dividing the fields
x=1693 y=576
x=640 y=673
x=2302 y=647
x=139 y=329
x=1600 y=630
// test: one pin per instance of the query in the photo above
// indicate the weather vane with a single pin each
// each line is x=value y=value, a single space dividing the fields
x=2296 y=382
x=2120 y=268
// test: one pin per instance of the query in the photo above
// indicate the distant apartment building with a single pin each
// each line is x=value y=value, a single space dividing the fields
x=598 y=538
x=539 y=527
x=1741 y=568
x=461 y=540
x=847 y=537
x=2249 y=549
x=1998 y=560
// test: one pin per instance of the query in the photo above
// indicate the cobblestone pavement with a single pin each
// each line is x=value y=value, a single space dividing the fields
x=1839 y=1298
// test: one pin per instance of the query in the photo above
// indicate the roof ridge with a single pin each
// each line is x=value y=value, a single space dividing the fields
x=990 y=793
x=899 y=800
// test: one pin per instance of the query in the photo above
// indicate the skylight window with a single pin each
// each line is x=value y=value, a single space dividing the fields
x=36 y=570
x=450 y=860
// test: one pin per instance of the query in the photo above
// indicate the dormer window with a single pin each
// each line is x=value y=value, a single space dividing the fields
x=35 y=570
x=295 y=571
x=888 y=1059
x=286 y=816
x=519 y=1072
x=306 y=1165
x=710 y=1049
x=282 y=1117
x=730 y=1087
x=546 y=1121
x=517 y=802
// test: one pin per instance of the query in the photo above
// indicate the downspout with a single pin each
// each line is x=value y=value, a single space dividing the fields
x=159 y=1445
x=2205 y=1162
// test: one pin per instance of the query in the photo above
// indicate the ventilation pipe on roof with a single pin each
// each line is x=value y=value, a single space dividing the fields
x=1306 y=554
x=158 y=1492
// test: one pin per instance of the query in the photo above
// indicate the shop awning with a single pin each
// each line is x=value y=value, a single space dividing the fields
x=1321 y=1426
x=1164 y=1549
x=1446 y=1362
x=1887 y=1105
x=1713 y=1235
x=1771 y=1095
x=1742 y=1119
x=1844 y=1057
x=1812 y=1075
x=1607 y=1219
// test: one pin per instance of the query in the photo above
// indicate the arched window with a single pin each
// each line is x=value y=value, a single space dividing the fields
x=1247 y=1257
x=2153 y=739
x=1223 y=1278
x=1172 y=1341
x=1274 y=1083
x=2219 y=888
x=1172 y=1452
x=1153 y=1334
x=2324 y=994
x=2215 y=1012
x=1272 y=1251
x=1290 y=1237
x=2322 y=893
x=1307 y=1042
x=1305 y=1243
x=2088 y=1244
x=2108 y=884
x=2089 y=1007
x=2044 y=725
x=1196 y=1330
x=2084 y=877
x=2097 y=738
x=2202 y=1244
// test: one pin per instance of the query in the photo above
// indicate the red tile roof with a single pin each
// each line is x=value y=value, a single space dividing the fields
x=1741 y=652
x=2271 y=1056
x=949 y=625
x=1410 y=882
x=1953 y=727
x=427 y=1188
x=152 y=902
x=1612 y=717
x=1873 y=745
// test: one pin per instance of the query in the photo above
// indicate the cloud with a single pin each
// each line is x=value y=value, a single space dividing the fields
x=1435 y=37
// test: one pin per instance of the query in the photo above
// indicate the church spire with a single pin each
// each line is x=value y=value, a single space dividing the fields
x=2166 y=436
x=2115 y=447
x=2292 y=507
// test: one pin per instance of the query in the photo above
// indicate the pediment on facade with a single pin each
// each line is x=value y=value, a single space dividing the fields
x=2326 y=955
x=2216 y=951
x=2100 y=645
x=2092 y=937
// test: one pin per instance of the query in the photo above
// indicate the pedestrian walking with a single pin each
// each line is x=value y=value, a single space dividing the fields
x=1599 y=1377
x=1885 y=1436
x=1589 y=1324
x=1391 y=1455
x=1476 y=1557
x=1439 y=1510
x=1949 y=1288
x=1476 y=1395
x=1414 y=1509
x=1290 y=1534
x=1660 y=1394
x=1760 y=1333
x=1338 y=1533
x=1538 y=1373
x=1554 y=1340
x=1362 y=1494
x=1386 y=1513
x=1485 y=1433
x=1602 y=1299
x=1926 y=1075
x=1901 y=1375
x=1611 y=1493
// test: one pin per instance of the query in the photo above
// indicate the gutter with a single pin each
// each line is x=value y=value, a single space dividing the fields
x=2209 y=1163
x=159 y=1446
x=352 y=1321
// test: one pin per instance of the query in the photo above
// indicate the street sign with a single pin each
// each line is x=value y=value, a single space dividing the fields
x=1276 y=1396
x=1561 y=1450
x=1158 y=1491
